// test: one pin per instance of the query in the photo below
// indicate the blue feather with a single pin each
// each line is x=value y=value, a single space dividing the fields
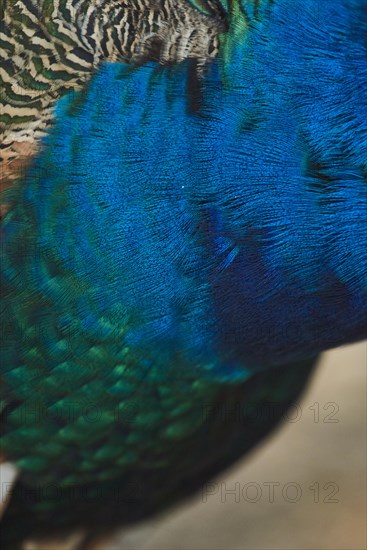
x=197 y=235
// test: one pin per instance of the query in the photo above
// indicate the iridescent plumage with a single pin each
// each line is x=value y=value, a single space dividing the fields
x=187 y=240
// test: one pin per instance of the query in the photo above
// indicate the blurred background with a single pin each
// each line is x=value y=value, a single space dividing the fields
x=303 y=488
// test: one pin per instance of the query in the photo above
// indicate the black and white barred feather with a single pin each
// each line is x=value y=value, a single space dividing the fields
x=48 y=47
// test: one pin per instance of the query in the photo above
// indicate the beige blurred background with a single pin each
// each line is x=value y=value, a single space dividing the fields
x=311 y=451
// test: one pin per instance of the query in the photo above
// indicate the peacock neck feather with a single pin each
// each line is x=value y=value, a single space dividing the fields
x=248 y=193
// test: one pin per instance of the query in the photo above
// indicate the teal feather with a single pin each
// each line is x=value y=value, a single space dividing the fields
x=185 y=243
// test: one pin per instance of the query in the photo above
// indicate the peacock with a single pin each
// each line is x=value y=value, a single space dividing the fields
x=184 y=226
